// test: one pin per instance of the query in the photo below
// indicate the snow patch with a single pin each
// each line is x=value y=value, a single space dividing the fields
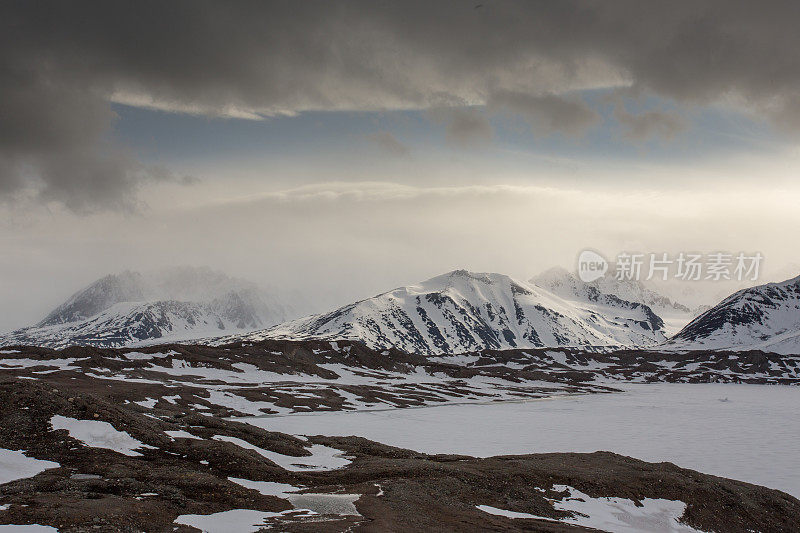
x=98 y=434
x=322 y=457
x=234 y=521
x=27 y=528
x=181 y=434
x=16 y=465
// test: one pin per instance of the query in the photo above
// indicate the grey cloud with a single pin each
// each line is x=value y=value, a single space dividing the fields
x=61 y=63
x=388 y=143
x=548 y=113
x=650 y=124
x=463 y=126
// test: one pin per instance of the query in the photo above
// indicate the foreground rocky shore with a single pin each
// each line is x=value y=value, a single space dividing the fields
x=151 y=440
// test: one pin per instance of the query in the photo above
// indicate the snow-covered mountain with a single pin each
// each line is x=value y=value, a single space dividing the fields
x=568 y=286
x=766 y=317
x=175 y=304
x=462 y=311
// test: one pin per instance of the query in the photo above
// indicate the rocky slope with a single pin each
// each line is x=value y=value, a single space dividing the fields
x=461 y=311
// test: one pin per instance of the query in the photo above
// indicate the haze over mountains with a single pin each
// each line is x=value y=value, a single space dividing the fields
x=172 y=304
x=456 y=312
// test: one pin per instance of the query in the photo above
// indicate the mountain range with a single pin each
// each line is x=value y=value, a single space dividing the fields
x=456 y=312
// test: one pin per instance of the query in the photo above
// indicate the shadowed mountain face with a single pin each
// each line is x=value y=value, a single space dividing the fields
x=461 y=311
x=133 y=307
x=766 y=317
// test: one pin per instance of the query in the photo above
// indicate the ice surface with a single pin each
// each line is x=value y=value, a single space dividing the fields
x=751 y=437
x=97 y=434
x=16 y=465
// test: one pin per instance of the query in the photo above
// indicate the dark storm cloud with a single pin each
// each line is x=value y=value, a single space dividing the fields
x=61 y=63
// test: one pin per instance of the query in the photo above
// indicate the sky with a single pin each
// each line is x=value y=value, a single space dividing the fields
x=344 y=149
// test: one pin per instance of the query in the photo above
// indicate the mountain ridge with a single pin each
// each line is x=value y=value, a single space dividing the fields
x=462 y=310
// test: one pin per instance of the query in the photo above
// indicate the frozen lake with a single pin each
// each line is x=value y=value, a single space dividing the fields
x=745 y=432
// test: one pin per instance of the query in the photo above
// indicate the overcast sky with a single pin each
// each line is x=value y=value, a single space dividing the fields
x=347 y=148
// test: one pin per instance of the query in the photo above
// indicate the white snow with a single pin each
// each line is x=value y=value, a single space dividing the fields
x=27 y=528
x=98 y=434
x=16 y=465
x=502 y=512
x=623 y=516
x=324 y=503
x=318 y=503
x=234 y=521
x=750 y=437
x=267 y=488
x=60 y=364
x=149 y=403
x=321 y=458
x=139 y=356
x=238 y=403
x=619 y=515
x=181 y=434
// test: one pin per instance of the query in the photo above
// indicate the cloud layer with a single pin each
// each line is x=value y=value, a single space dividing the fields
x=62 y=63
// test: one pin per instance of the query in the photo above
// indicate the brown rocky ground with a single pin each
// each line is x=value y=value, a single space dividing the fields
x=279 y=376
x=97 y=489
x=196 y=389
